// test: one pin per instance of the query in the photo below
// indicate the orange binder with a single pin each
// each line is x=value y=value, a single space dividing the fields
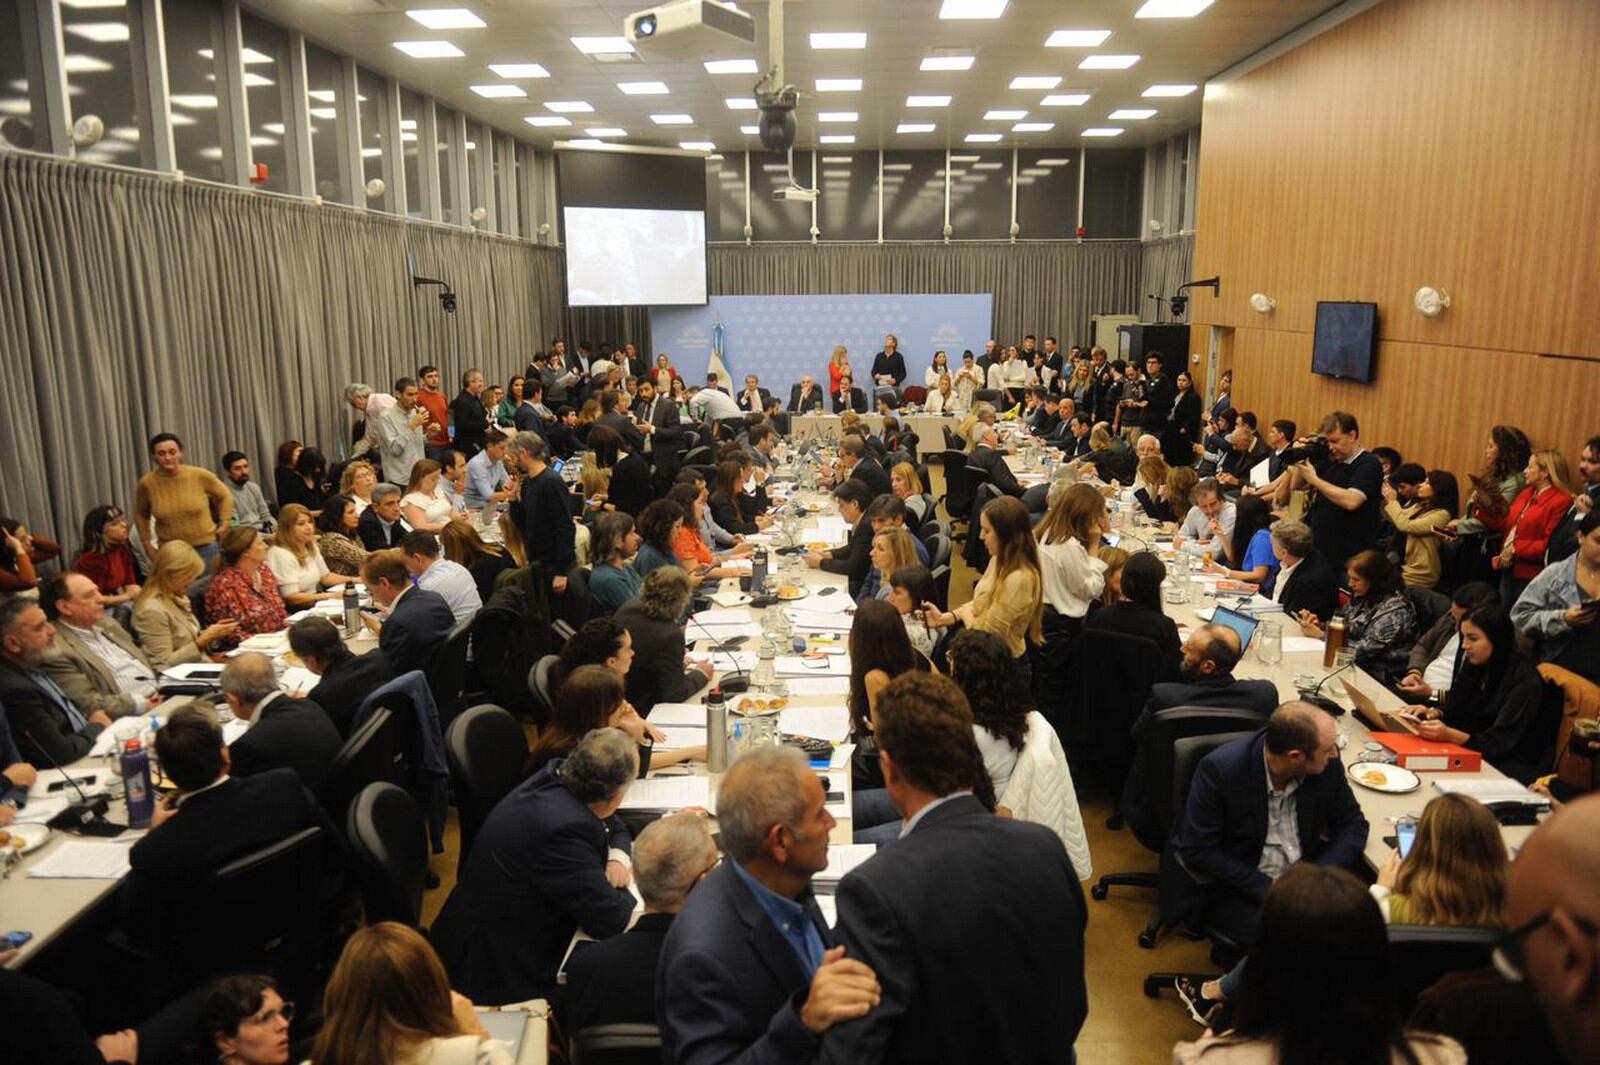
x=1420 y=755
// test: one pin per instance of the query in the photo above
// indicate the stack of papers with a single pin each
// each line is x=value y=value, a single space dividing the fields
x=818 y=686
x=724 y=624
x=275 y=644
x=686 y=715
x=666 y=794
x=827 y=529
x=1489 y=789
x=826 y=666
x=830 y=723
x=209 y=672
x=78 y=860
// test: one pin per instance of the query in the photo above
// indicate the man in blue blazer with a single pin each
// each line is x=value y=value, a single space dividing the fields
x=418 y=622
x=748 y=974
x=1256 y=807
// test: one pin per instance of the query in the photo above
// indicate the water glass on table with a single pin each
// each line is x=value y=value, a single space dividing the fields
x=1269 y=643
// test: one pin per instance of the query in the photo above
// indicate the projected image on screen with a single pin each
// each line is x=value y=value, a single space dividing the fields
x=618 y=256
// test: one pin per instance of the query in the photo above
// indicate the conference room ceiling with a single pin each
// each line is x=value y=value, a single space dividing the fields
x=899 y=35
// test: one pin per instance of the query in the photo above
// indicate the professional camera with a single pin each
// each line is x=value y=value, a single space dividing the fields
x=1313 y=449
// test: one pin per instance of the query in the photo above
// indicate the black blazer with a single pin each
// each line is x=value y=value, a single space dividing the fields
x=41 y=1023
x=871 y=474
x=893 y=365
x=1183 y=429
x=1312 y=586
x=1257 y=696
x=630 y=490
x=854 y=559
x=657 y=674
x=1131 y=619
x=416 y=627
x=614 y=981
x=1224 y=825
x=993 y=463
x=39 y=725
x=170 y=867
x=669 y=432
x=1160 y=392
x=856 y=401
x=897 y=913
x=370 y=528
x=631 y=436
x=348 y=682
x=813 y=400
x=742 y=397
x=471 y=422
x=723 y=514
x=535 y=875
x=292 y=734
x=1239 y=463
x=729 y=986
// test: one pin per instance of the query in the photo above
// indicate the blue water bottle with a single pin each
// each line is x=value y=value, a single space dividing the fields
x=136 y=780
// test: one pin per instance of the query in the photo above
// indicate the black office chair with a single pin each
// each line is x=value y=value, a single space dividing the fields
x=572 y=607
x=976 y=554
x=1420 y=954
x=989 y=395
x=938 y=551
x=446 y=671
x=390 y=844
x=1429 y=604
x=960 y=485
x=1092 y=689
x=702 y=455
x=485 y=748
x=616 y=1044
x=952 y=441
x=941 y=587
x=367 y=757
x=541 y=683
x=932 y=526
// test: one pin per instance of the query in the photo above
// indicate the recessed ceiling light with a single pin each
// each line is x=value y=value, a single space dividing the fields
x=601 y=45
x=446 y=18
x=697 y=146
x=643 y=88
x=1170 y=90
x=1103 y=131
x=569 y=107
x=98 y=32
x=327 y=96
x=84 y=64
x=826 y=159
x=1003 y=116
x=1033 y=127
x=741 y=103
x=1107 y=62
x=982 y=138
x=838 y=84
x=1035 y=81
x=972 y=8
x=1065 y=99
x=837 y=138
x=253 y=80
x=405 y=123
x=543 y=121
x=837 y=116
x=585 y=142
x=194 y=102
x=1054 y=162
x=947 y=62
x=247 y=56
x=914 y=127
x=519 y=70
x=1171 y=8
x=429 y=49
x=606 y=131
x=731 y=66
x=838 y=40
x=87 y=5
x=750 y=131
x=1077 y=38
x=672 y=120
x=499 y=92
x=1132 y=112
x=927 y=101
x=316 y=112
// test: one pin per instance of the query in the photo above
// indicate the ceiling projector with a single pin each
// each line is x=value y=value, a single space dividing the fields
x=691 y=29
x=794 y=194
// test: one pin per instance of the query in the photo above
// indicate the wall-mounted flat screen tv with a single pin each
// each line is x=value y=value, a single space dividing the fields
x=1346 y=340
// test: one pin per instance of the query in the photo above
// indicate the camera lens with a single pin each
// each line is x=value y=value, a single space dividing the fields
x=645 y=26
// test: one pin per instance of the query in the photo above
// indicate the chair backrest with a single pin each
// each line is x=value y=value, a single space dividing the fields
x=541 y=681
x=702 y=455
x=1420 y=954
x=938 y=550
x=958 y=484
x=446 y=670
x=390 y=844
x=941 y=586
x=1429 y=604
x=976 y=554
x=366 y=758
x=572 y=607
x=1157 y=756
x=915 y=393
x=1187 y=754
x=485 y=748
x=988 y=395
x=1092 y=689
x=616 y=1044
x=952 y=441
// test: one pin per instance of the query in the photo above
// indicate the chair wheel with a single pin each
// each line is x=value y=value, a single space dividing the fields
x=1147 y=940
x=1099 y=892
x=1114 y=822
x=1152 y=988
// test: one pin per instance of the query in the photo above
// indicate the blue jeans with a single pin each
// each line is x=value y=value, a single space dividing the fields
x=1228 y=983
x=208 y=554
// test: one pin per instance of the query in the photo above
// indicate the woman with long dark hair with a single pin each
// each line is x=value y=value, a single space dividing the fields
x=1248 y=551
x=1421 y=522
x=106 y=558
x=730 y=507
x=285 y=482
x=243 y=1020
x=1505 y=456
x=1009 y=598
x=594 y=697
x=982 y=668
x=1183 y=424
x=306 y=486
x=613 y=580
x=1137 y=612
x=630 y=490
x=341 y=548
x=1381 y=622
x=506 y=412
x=879 y=652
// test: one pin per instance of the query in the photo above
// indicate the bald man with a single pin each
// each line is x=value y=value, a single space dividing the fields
x=1257 y=806
x=1209 y=656
x=281 y=732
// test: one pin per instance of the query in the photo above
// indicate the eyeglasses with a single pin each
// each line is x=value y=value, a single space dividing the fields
x=286 y=1011
x=1510 y=954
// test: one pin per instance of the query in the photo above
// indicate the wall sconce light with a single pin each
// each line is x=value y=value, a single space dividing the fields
x=1431 y=302
x=1262 y=303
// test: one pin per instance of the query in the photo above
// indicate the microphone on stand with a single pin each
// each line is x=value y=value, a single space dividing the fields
x=86 y=816
x=740 y=681
x=1315 y=694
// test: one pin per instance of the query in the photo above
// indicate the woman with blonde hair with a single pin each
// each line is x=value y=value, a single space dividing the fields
x=302 y=574
x=462 y=545
x=420 y=506
x=906 y=483
x=1009 y=598
x=163 y=617
x=1538 y=508
x=838 y=366
x=389 y=1002
x=1069 y=544
x=1115 y=559
x=1177 y=492
x=1151 y=475
x=1455 y=872
x=357 y=481
x=892 y=549
x=511 y=536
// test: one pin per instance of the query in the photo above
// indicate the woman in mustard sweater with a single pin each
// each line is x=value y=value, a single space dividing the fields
x=1009 y=598
x=186 y=502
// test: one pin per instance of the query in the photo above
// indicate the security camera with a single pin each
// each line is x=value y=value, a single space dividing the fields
x=87 y=131
x=376 y=188
x=777 y=105
x=447 y=300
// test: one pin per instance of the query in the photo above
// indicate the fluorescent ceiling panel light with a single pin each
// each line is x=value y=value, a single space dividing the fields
x=837 y=116
x=1169 y=90
x=988 y=166
x=643 y=88
x=697 y=146
x=1172 y=8
x=740 y=103
x=750 y=131
x=327 y=96
x=547 y=120
x=270 y=127
x=1035 y=81
x=606 y=131
x=1054 y=162
x=98 y=32
x=256 y=81
x=982 y=138
x=185 y=120
x=947 y=62
x=914 y=127
x=927 y=101
x=838 y=84
x=954 y=9
x=1065 y=99
x=519 y=70
x=472 y=146
x=821 y=41
x=262 y=142
x=499 y=92
x=835 y=159
x=601 y=45
x=1077 y=38
x=93 y=5
x=371 y=153
x=408 y=123
x=316 y=112
x=672 y=120
x=837 y=138
x=1103 y=131
x=585 y=142
x=1033 y=127
x=446 y=18
x=84 y=64
x=570 y=107
x=1003 y=116
x=429 y=49
x=731 y=66
x=894 y=167
x=1107 y=62
x=1132 y=112
x=194 y=101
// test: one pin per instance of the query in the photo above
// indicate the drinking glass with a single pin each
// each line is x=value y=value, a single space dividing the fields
x=1269 y=643
x=1344 y=656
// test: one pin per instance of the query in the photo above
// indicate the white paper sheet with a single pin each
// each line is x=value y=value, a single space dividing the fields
x=1259 y=477
x=121 y=731
x=79 y=860
x=830 y=723
x=730 y=598
x=733 y=616
x=232 y=730
x=1293 y=645
x=725 y=661
x=298 y=679
x=830 y=909
x=52 y=782
x=819 y=686
x=38 y=811
x=844 y=857
x=680 y=736
x=726 y=631
x=686 y=714
x=211 y=671
x=830 y=665
x=668 y=793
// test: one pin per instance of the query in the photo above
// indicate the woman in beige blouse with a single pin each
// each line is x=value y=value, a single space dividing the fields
x=1009 y=598
x=162 y=617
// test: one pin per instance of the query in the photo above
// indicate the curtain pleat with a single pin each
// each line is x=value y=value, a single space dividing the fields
x=1165 y=264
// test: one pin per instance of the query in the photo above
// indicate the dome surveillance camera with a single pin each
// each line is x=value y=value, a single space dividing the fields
x=479 y=214
x=87 y=131
x=376 y=188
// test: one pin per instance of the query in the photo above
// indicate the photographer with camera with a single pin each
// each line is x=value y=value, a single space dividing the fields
x=1348 y=507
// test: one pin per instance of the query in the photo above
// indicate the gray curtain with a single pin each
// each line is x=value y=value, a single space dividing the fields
x=131 y=305
x=1040 y=288
x=1165 y=264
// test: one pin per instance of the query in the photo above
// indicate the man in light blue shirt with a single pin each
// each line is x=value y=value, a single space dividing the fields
x=451 y=580
x=487 y=476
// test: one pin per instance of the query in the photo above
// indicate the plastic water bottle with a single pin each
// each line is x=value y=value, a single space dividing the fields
x=352 y=610
x=136 y=782
x=716 y=732
x=758 y=572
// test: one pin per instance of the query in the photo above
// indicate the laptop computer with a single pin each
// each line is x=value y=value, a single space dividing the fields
x=1380 y=720
x=1243 y=624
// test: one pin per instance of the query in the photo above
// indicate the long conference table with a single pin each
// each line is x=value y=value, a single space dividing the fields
x=928 y=427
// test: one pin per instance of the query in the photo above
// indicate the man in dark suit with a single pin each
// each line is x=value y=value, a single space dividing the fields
x=1209 y=656
x=1159 y=392
x=471 y=421
x=988 y=457
x=748 y=973
x=1306 y=581
x=213 y=819
x=857 y=464
x=418 y=621
x=889 y=366
x=44 y=723
x=663 y=430
x=1245 y=451
x=754 y=398
x=849 y=397
x=612 y=417
x=284 y=732
x=805 y=396
x=909 y=910
x=614 y=981
x=1256 y=807
x=633 y=362
x=347 y=679
x=855 y=558
x=550 y=859
x=380 y=525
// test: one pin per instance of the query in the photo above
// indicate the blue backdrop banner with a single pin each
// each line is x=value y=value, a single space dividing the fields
x=781 y=338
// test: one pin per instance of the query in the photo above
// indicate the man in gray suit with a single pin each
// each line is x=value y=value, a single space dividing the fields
x=94 y=660
x=400 y=440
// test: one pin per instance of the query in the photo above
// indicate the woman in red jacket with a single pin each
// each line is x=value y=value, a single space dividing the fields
x=1534 y=515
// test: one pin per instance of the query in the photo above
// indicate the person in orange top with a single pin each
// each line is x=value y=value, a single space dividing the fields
x=436 y=434
x=1536 y=511
x=692 y=551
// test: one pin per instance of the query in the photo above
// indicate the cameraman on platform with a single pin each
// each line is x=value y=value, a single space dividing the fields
x=1347 y=508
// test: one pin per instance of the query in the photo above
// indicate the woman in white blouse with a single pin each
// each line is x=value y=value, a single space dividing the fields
x=942 y=398
x=1011 y=376
x=302 y=575
x=421 y=506
x=968 y=379
x=940 y=367
x=1069 y=541
x=357 y=482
